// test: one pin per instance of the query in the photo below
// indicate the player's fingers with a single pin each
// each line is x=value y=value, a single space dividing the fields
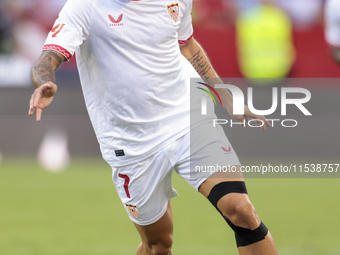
x=262 y=122
x=31 y=107
x=36 y=99
x=39 y=112
x=30 y=111
x=241 y=119
x=245 y=120
x=267 y=123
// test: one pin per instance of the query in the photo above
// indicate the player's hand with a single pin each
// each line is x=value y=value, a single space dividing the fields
x=260 y=120
x=41 y=98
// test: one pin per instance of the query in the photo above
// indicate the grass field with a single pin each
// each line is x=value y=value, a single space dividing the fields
x=78 y=212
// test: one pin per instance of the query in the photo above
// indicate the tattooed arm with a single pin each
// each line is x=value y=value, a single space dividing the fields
x=199 y=60
x=43 y=70
x=43 y=78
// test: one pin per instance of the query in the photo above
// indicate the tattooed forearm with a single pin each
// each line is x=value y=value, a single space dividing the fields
x=200 y=62
x=43 y=70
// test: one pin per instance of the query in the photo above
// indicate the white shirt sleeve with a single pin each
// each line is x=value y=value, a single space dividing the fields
x=186 y=30
x=71 y=28
x=332 y=16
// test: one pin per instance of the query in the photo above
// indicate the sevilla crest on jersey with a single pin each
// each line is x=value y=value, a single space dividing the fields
x=173 y=10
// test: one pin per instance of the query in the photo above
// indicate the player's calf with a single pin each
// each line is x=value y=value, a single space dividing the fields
x=231 y=200
x=157 y=238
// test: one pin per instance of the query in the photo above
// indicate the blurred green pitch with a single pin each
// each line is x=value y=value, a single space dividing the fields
x=78 y=212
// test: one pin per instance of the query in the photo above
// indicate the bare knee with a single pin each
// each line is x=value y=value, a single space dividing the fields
x=162 y=246
x=239 y=210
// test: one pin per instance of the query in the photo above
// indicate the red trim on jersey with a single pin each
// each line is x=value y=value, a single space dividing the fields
x=58 y=48
x=182 y=42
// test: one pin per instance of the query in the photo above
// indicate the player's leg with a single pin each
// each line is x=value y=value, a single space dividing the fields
x=157 y=237
x=145 y=190
x=230 y=197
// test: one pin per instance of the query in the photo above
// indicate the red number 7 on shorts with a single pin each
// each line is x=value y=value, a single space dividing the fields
x=126 y=183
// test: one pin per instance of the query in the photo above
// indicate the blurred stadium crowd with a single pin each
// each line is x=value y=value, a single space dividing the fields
x=220 y=13
x=244 y=30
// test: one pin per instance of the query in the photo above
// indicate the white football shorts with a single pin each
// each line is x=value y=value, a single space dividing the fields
x=146 y=187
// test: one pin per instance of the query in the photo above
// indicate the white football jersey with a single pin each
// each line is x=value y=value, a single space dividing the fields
x=132 y=72
x=332 y=16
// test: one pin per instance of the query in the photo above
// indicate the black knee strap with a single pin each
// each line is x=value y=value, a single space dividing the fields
x=244 y=237
x=224 y=188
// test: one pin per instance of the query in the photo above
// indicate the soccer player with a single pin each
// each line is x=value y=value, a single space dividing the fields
x=132 y=58
x=332 y=31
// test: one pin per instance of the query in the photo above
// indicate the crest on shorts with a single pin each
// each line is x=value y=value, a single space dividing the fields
x=133 y=210
x=173 y=10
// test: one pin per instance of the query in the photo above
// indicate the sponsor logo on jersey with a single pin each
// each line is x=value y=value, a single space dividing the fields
x=173 y=10
x=117 y=22
x=133 y=210
x=227 y=151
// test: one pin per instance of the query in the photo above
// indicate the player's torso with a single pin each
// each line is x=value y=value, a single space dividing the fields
x=132 y=54
x=137 y=40
x=135 y=89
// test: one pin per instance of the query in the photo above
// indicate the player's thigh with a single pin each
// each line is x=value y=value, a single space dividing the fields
x=145 y=188
x=207 y=157
x=160 y=232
